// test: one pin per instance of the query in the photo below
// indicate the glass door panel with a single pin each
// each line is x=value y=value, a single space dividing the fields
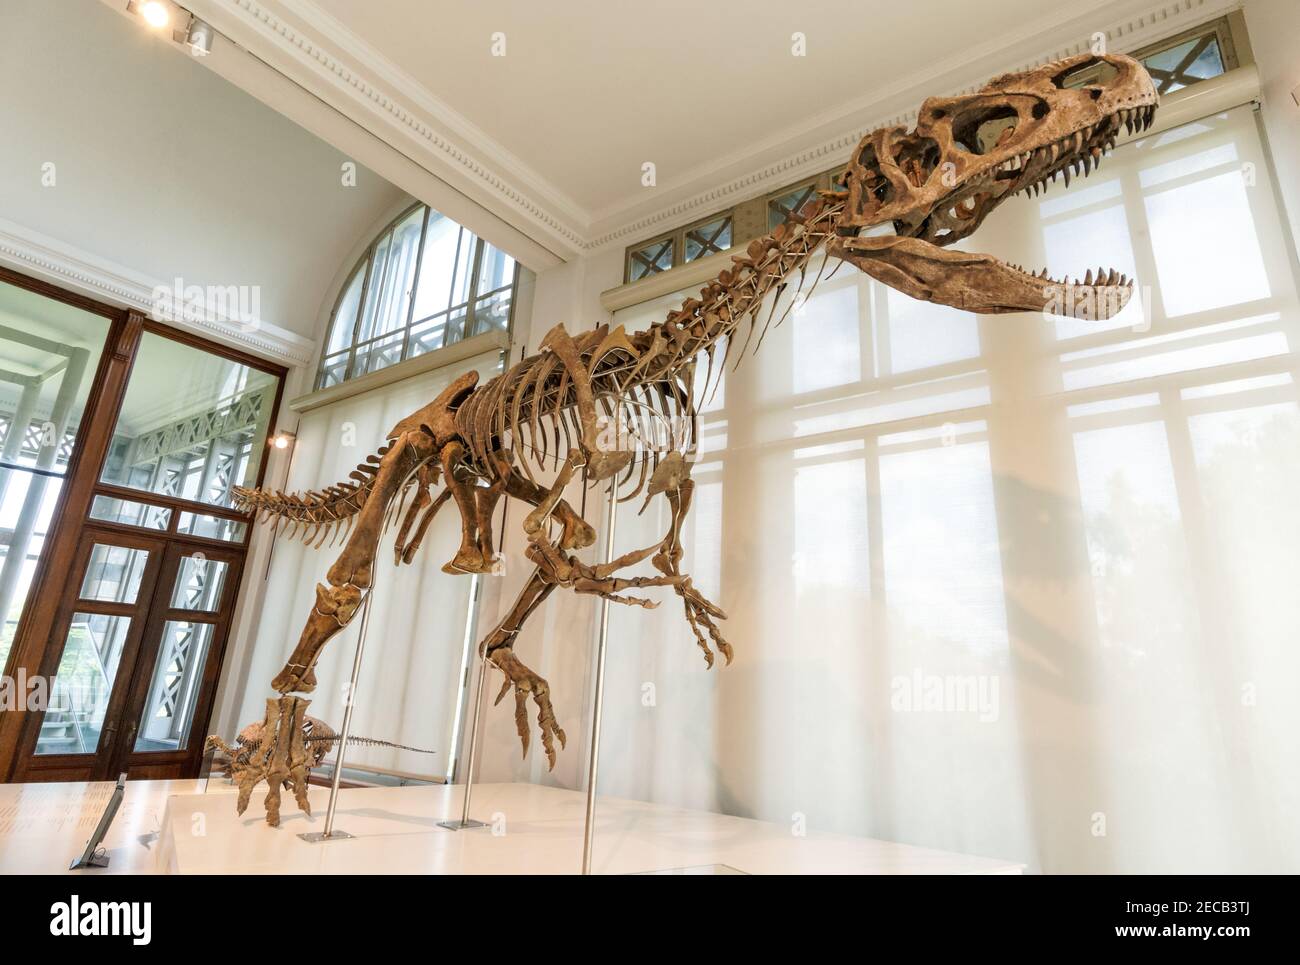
x=49 y=351
x=198 y=583
x=113 y=573
x=130 y=513
x=102 y=618
x=212 y=527
x=173 y=692
x=79 y=696
x=196 y=587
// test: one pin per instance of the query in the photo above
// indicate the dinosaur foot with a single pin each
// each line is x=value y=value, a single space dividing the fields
x=526 y=682
x=468 y=559
x=278 y=755
x=294 y=678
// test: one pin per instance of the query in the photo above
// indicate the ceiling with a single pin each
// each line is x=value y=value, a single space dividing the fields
x=553 y=136
x=165 y=174
x=589 y=90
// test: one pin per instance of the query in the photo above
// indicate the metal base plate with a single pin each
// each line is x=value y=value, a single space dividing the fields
x=97 y=860
x=315 y=837
x=462 y=825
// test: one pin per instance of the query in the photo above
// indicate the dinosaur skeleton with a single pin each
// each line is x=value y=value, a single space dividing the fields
x=584 y=404
x=255 y=757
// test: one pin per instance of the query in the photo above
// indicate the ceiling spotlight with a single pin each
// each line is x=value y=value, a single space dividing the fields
x=155 y=13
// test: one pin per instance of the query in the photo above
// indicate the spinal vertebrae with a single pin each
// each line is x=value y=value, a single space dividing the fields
x=551 y=412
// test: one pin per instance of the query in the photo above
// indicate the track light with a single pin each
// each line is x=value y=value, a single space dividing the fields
x=182 y=26
x=199 y=37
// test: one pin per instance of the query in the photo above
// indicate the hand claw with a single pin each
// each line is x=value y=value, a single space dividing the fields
x=525 y=682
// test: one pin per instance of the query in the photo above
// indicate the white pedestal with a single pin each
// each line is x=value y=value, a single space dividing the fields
x=43 y=826
x=532 y=830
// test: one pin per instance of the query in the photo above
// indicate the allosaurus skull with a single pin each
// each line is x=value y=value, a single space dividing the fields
x=927 y=188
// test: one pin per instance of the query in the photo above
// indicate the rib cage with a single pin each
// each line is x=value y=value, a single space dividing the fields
x=527 y=413
x=644 y=381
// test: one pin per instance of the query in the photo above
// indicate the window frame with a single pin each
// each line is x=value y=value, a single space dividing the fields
x=366 y=265
x=1220 y=29
x=816 y=183
x=674 y=237
x=728 y=216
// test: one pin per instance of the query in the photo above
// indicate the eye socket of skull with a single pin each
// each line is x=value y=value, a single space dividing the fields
x=977 y=129
x=917 y=157
x=877 y=185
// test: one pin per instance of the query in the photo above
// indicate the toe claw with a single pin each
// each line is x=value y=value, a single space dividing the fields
x=505 y=687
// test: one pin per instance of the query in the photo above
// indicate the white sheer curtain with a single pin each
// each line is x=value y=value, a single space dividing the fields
x=1005 y=585
x=411 y=678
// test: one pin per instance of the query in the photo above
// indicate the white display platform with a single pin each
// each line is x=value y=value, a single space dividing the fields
x=44 y=826
x=534 y=830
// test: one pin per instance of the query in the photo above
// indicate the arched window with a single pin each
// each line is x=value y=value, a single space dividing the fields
x=424 y=283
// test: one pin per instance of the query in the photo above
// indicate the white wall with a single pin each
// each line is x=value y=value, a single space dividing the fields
x=164 y=168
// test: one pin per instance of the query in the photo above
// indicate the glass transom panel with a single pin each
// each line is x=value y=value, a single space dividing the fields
x=192 y=425
x=428 y=282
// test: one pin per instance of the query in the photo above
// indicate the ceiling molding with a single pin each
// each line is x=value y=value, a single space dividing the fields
x=35 y=254
x=347 y=72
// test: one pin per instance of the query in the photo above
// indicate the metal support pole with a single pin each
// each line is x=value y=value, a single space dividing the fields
x=589 y=827
x=329 y=833
x=466 y=822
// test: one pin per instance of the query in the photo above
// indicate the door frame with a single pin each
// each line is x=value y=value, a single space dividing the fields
x=90 y=766
x=34 y=639
x=187 y=758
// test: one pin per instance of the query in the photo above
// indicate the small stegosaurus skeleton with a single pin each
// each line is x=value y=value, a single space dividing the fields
x=298 y=744
x=907 y=196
